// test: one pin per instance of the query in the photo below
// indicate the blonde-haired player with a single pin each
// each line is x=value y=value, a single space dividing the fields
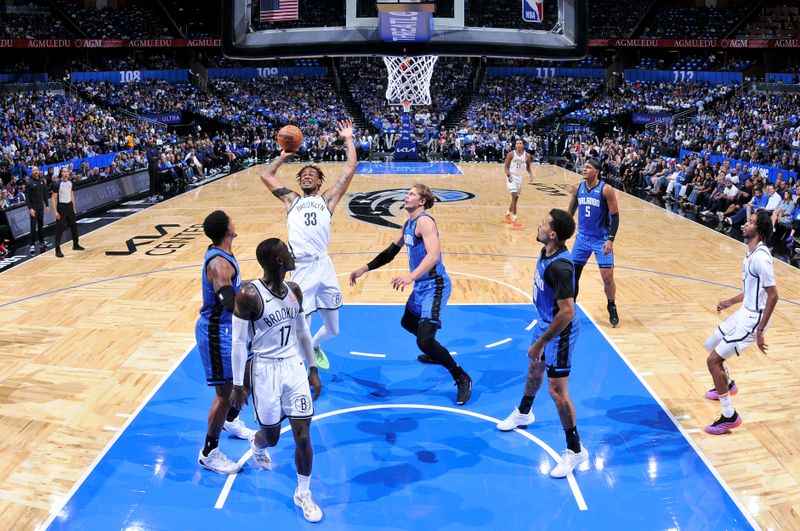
x=515 y=162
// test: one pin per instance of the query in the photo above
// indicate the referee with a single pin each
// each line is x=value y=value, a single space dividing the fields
x=64 y=199
x=36 y=200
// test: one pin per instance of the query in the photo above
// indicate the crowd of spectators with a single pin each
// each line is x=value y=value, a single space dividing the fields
x=616 y=19
x=519 y=102
x=776 y=20
x=677 y=22
x=31 y=21
x=141 y=21
x=145 y=97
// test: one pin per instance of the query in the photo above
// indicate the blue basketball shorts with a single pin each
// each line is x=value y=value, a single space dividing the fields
x=429 y=298
x=557 y=353
x=214 y=346
x=586 y=245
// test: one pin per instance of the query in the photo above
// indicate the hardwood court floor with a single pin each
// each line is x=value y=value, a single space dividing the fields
x=89 y=337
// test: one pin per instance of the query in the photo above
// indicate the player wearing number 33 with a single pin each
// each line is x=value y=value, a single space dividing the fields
x=309 y=220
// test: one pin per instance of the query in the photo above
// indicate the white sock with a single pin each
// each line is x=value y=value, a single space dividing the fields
x=514 y=217
x=727 y=404
x=302 y=483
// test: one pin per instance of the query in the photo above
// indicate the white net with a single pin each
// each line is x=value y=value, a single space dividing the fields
x=409 y=79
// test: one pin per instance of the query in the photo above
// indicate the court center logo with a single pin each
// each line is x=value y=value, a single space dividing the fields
x=379 y=207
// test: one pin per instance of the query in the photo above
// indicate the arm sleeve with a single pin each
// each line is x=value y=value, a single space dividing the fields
x=612 y=231
x=384 y=257
x=304 y=337
x=560 y=274
x=239 y=349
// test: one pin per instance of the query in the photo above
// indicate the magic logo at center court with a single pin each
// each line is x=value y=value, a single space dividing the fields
x=379 y=207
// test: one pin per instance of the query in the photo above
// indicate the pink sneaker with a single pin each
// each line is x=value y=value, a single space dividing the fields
x=723 y=424
x=711 y=394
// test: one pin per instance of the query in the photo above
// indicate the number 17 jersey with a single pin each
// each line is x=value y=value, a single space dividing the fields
x=273 y=334
x=309 y=220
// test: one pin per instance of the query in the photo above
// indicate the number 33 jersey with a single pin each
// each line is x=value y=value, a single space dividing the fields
x=309 y=221
x=273 y=334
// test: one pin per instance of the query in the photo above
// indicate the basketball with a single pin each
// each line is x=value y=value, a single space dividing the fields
x=290 y=138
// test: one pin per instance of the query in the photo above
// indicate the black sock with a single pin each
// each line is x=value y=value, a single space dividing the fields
x=525 y=404
x=232 y=414
x=573 y=439
x=611 y=302
x=211 y=443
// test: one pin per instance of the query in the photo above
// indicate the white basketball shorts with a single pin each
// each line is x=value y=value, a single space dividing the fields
x=317 y=280
x=280 y=390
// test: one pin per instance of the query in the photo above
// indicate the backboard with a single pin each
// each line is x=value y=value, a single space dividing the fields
x=337 y=28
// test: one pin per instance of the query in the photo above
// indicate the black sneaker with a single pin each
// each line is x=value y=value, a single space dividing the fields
x=59 y=254
x=78 y=248
x=464 y=384
x=424 y=358
x=613 y=318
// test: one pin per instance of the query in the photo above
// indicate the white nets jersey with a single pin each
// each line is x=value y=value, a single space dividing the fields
x=758 y=273
x=309 y=220
x=518 y=166
x=273 y=333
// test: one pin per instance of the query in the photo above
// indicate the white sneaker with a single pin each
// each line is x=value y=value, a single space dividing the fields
x=515 y=420
x=237 y=428
x=218 y=462
x=311 y=510
x=569 y=460
x=260 y=455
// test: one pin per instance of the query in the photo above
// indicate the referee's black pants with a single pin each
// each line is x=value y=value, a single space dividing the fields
x=67 y=214
x=37 y=226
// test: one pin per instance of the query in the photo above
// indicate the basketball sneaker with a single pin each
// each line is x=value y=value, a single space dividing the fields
x=613 y=318
x=322 y=359
x=516 y=224
x=711 y=394
x=217 y=462
x=311 y=510
x=569 y=460
x=515 y=420
x=507 y=219
x=237 y=428
x=464 y=384
x=723 y=424
x=260 y=455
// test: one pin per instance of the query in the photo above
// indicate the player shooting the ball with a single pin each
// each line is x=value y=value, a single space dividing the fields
x=309 y=220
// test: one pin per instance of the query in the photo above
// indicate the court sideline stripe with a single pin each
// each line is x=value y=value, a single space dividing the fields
x=573 y=483
x=680 y=428
x=122 y=429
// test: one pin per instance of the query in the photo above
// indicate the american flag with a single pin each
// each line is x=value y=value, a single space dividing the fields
x=274 y=10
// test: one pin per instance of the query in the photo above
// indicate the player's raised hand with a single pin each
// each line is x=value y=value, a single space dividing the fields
x=345 y=128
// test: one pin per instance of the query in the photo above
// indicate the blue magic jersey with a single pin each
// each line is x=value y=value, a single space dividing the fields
x=593 y=218
x=545 y=295
x=416 y=250
x=212 y=307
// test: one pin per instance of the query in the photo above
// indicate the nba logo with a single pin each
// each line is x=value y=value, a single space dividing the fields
x=532 y=10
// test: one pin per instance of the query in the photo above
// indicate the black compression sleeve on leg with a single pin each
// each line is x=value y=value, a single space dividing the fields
x=426 y=341
x=227 y=296
x=384 y=257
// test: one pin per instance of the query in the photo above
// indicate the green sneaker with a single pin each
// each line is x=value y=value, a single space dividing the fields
x=322 y=359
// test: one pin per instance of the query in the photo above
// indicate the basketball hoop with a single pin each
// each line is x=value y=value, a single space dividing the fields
x=409 y=80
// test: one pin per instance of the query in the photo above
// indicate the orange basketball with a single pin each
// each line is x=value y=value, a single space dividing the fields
x=290 y=138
